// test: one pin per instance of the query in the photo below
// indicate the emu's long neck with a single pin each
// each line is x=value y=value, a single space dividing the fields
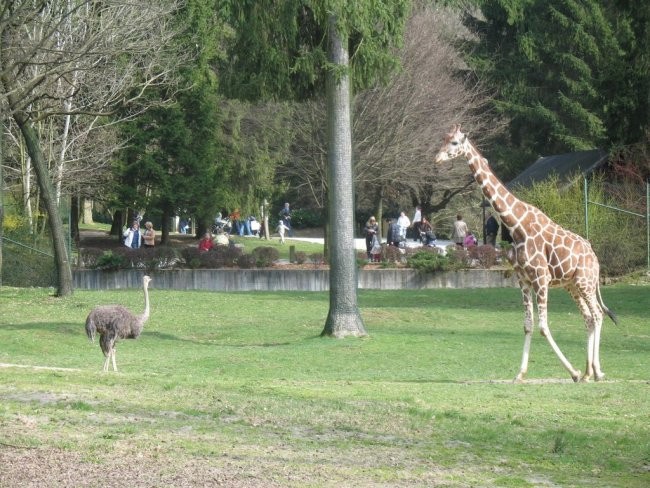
x=503 y=202
x=145 y=314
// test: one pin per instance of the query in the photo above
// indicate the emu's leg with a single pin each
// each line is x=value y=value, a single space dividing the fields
x=113 y=358
x=542 y=295
x=528 y=330
x=108 y=358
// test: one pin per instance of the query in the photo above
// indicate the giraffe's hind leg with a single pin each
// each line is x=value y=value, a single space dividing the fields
x=593 y=317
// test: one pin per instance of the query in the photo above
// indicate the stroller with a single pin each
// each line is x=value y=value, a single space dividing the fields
x=255 y=226
x=222 y=225
x=428 y=238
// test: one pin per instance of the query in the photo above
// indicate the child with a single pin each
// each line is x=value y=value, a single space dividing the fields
x=206 y=243
x=282 y=228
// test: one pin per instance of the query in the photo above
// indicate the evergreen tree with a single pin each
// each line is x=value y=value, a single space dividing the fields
x=556 y=65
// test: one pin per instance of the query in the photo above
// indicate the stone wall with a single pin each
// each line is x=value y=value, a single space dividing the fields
x=289 y=279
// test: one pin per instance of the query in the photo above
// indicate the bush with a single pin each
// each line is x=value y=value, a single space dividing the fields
x=301 y=257
x=458 y=258
x=391 y=254
x=218 y=257
x=265 y=256
x=304 y=217
x=484 y=256
x=110 y=261
x=613 y=235
x=247 y=261
x=428 y=260
x=317 y=258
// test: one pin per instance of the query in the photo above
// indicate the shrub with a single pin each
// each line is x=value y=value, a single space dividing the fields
x=458 y=258
x=88 y=257
x=110 y=261
x=301 y=257
x=317 y=258
x=391 y=254
x=218 y=257
x=484 y=256
x=265 y=256
x=246 y=261
x=613 y=235
x=304 y=217
x=159 y=257
x=428 y=261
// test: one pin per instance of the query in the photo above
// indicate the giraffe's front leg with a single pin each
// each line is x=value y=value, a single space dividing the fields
x=542 y=296
x=528 y=331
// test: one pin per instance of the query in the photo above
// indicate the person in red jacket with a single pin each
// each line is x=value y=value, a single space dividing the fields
x=206 y=243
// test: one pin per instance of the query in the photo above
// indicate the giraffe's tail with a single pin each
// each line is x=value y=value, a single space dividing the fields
x=611 y=314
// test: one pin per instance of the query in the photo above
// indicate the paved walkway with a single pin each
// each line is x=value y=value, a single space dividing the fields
x=360 y=244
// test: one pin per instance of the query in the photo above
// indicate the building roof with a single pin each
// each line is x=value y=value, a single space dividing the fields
x=562 y=165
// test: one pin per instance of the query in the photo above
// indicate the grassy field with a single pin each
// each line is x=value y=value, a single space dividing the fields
x=238 y=389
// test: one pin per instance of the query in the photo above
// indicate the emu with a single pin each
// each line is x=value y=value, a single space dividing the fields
x=113 y=322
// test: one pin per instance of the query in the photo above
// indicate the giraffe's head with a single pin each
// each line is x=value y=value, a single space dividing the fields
x=452 y=145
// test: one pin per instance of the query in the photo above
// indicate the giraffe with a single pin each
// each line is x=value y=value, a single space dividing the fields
x=544 y=255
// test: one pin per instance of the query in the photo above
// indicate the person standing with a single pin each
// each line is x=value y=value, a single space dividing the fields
x=404 y=223
x=149 y=236
x=132 y=236
x=417 y=220
x=371 y=232
x=234 y=217
x=285 y=215
x=491 y=230
x=460 y=231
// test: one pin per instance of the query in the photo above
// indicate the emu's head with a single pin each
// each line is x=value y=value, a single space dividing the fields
x=452 y=145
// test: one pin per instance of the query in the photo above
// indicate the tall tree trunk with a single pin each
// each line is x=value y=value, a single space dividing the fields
x=74 y=217
x=87 y=211
x=2 y=193
x=344 y=318
x=64 y=271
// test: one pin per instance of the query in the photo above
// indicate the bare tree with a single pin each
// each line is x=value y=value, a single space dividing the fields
x=397 y=125
x=78 y=61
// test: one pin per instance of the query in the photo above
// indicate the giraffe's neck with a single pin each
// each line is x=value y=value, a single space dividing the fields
x=510 y=209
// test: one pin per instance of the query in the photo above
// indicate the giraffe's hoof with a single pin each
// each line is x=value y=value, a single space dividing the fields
x=576 y=377
x=519 y=379
x=600 y=377
x=585 y=379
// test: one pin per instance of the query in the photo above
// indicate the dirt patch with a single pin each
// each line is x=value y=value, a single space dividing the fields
x=55 y=468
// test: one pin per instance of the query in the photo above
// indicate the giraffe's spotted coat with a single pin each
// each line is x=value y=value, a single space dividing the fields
x=545 y=255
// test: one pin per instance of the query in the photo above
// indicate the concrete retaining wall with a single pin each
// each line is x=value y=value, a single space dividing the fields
x=289 y=279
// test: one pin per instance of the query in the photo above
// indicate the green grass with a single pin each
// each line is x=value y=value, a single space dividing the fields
x=240 y=388
x=250 y=243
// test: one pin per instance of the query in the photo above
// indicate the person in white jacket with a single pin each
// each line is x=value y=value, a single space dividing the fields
x=403 y=223
x=133 y=236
